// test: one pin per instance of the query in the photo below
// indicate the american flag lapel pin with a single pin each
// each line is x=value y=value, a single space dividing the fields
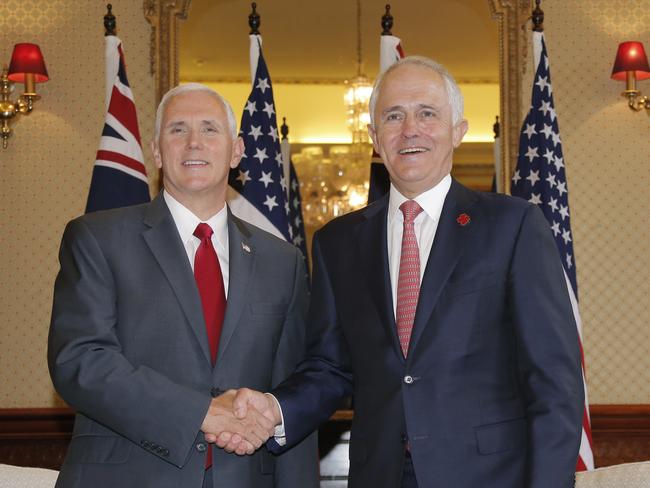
x=245 y=247
x=463 y=219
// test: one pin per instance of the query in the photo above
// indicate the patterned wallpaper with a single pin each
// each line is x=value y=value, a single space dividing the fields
x=607 y=153
x=45 y=172
x=44 y=177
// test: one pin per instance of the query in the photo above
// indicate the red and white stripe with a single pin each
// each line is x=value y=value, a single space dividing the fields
x=390 y=51
x=586 y=455
x=124 y=155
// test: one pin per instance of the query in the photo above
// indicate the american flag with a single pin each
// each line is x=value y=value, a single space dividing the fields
x=258 y=189
x=293 y=197
x=390 y=51
x=119 y=175
x=540 y=178
x=295 y=210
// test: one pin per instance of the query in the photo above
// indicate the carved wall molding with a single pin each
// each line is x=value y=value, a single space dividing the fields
x=163 y=15
x=512 y=17
x=39 y=436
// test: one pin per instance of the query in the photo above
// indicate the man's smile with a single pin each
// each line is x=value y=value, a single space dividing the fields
x=195 y=162
x=413 y=150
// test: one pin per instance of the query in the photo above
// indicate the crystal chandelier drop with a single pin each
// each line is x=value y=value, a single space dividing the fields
x=356 y=98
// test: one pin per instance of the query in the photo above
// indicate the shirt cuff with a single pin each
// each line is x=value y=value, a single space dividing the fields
x=280 y=434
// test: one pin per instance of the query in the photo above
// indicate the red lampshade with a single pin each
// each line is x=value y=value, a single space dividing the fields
x=27 y=58
x=631 y=57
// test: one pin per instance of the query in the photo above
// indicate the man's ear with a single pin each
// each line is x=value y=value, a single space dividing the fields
x=155 y=151
x=237 y=152
x=459 y=132
x=373 y=137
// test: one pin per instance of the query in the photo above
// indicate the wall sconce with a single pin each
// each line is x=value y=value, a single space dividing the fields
x=28 y=67
x=631 y=65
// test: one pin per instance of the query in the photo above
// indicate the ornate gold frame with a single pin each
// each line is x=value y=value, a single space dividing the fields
x=511 y=15
x=163 y=15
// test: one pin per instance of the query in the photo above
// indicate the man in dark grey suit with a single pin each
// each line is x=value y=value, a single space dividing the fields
x=128 y=344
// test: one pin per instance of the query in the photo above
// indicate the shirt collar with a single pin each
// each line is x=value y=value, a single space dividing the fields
x=186 y=221
x=431 y=200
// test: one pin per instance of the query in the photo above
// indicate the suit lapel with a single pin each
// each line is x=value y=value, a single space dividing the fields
x=373 y=253
x=241 y=264
x=446 y=250
x=166 y=246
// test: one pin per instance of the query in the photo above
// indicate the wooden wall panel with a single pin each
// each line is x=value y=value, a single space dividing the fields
x=621 y=433
x=39 y=437
x=35 y=436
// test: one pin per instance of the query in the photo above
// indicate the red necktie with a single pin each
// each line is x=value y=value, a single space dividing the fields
x=408 y=281
x=207 y=273
x=209 y=280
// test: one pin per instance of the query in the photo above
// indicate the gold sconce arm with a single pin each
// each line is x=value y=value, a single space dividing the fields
x=9 y=109
x=635 y=100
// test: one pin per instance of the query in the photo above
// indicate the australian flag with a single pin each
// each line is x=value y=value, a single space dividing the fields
x=540 y=178
x=119 y=175
x=258 y=188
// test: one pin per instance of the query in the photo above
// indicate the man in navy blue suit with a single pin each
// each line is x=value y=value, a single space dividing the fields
x=444 y=311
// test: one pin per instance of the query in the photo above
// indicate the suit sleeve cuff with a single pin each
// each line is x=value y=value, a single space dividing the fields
x=280 y=434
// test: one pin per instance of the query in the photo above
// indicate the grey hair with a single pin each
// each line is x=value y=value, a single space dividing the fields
x=453 y=91
x=193 y=87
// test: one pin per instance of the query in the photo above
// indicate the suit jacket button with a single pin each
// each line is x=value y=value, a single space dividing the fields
x=408 y=379
x=165 y=452
x=201 y=447
x=215 y=392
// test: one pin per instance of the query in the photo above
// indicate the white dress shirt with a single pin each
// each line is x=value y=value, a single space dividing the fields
x=186 y=223
x=425 y=226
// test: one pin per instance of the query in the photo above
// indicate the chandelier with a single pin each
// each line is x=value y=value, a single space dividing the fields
x=336 y=183
x=357 y=95
x=331 y=184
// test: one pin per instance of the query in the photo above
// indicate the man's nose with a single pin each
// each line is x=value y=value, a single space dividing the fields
x=410 y=127
x=194 y=139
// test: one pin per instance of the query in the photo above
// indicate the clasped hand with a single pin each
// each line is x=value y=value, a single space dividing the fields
x=240 y=421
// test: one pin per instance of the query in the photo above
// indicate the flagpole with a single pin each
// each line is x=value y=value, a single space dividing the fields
x=498 y=178
x=110 y=29
x=109 y=21
x=285 y=148
x=254 y=21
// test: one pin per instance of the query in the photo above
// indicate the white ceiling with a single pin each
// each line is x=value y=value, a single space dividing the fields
x=311 y=41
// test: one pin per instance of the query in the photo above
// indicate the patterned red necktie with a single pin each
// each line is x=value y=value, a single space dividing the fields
x=408 y=281
x=209 y=280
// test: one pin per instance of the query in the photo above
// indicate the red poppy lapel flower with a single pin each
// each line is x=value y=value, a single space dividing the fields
x=463 y=219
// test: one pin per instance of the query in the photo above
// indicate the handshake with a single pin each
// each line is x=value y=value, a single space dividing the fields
x=240 y=421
